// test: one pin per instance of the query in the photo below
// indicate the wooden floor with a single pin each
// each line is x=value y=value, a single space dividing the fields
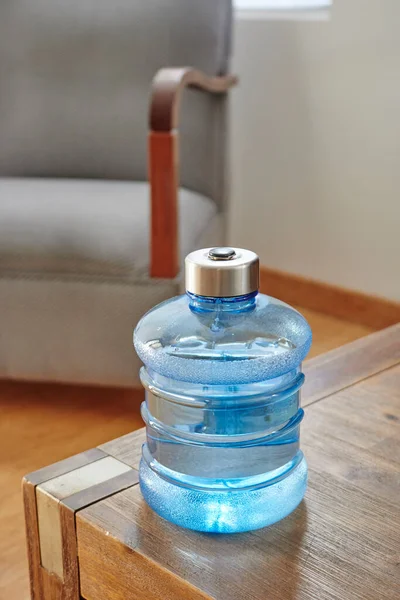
x=41 y=424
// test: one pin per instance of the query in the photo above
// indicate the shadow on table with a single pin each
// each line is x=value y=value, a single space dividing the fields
x=257 y=565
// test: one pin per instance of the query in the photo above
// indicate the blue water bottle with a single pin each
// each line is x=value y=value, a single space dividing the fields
x=222 y=376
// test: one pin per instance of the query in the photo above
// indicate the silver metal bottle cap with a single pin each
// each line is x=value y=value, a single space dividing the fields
x=222 y=272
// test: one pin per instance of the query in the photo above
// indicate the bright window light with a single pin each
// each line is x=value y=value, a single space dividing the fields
x=281 y=4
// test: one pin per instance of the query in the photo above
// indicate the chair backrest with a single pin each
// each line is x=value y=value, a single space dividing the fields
x=75 y=79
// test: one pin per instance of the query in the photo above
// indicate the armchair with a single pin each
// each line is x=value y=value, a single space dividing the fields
x=87 y=245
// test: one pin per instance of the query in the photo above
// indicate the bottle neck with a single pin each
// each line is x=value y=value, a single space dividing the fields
x=235 y=304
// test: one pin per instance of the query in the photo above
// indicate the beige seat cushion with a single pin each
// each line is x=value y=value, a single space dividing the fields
x=86 y=228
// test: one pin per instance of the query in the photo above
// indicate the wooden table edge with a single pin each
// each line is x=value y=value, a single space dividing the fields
x=325 y=375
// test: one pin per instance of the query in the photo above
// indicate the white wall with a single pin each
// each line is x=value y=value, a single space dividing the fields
x=316 y=145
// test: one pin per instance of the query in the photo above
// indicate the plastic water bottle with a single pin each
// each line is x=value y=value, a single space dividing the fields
x=222 y=411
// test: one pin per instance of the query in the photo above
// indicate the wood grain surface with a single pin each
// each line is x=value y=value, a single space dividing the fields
x=343 y=541
x=167 y=89
x=354 y=306
x=344 y=366
x=52 y=496
x=59 y=579
x=43 y=423
x=39 y=421
x=42 y=521
x=330 y=332
x=164 y=183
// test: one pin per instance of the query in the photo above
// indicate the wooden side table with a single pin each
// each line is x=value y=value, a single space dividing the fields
x=90 y=534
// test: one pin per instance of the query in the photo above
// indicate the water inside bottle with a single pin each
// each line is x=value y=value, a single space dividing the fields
x=222 y=410
x=222 y=349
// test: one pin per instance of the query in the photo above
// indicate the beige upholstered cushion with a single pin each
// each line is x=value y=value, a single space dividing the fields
x=86 y=228
x=75 y=82
x=73 y=276
x=74 y=331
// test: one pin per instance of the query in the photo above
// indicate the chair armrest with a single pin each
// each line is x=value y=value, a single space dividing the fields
x=167 y=89
x=168 y=86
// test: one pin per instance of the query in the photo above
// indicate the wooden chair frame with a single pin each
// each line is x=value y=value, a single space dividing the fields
x=168 y=86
